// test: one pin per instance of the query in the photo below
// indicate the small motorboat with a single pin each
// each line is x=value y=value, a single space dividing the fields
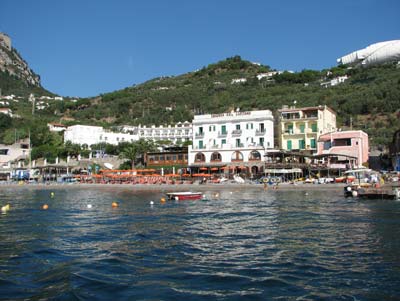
x=187 y=195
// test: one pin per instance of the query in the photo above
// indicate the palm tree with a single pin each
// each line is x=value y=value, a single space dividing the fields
x=137 y=150
x=130 y=153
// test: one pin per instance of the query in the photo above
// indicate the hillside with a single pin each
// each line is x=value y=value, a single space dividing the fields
x=369 y=99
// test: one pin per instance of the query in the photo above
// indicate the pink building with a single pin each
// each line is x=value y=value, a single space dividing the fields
x=345 y=148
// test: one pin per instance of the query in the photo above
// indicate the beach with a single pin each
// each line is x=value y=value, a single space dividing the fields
x=181 y=187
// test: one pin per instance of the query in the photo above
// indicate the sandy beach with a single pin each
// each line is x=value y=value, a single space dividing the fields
x=179 y=187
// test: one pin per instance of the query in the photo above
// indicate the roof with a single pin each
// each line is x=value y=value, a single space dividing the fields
x=307 y=109
x=57 y=124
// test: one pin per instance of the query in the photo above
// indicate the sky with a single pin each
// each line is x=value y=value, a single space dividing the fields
x=83 y=48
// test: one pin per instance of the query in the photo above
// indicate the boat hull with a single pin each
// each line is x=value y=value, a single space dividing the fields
x=183 y=196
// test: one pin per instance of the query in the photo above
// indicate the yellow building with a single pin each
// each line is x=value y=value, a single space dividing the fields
x=300 y=128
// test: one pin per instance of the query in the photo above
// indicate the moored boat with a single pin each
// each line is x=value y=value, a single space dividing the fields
x=186 y=195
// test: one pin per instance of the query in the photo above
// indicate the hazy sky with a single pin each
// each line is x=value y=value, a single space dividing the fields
x=87 y=47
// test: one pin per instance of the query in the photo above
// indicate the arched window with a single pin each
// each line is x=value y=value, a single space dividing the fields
x=200 y=157
x=255 y=156
x=216 y=157
x=237 y=156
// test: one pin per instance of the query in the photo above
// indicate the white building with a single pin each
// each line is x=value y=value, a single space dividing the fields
x=56 y=127
x=237 y=138
x=89 y=135
x=17 y=152
x=177 y=134
x=335 y=81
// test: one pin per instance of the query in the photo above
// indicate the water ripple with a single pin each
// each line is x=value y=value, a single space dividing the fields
x=246 y=245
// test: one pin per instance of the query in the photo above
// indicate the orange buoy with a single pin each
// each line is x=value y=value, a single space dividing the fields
x=114 y=204
x=162 y=200
x=45 y=207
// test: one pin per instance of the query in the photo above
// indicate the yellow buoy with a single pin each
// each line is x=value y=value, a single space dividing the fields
x=162 y=200
x=114 y=204
x=5 y=208
x=45 y=207
x=52 y=194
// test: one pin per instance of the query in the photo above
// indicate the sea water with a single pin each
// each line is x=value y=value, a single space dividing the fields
x=237 y=245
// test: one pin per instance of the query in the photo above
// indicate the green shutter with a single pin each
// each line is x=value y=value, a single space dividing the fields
x=314 y=128
x=302 y=144
x=313 y=144
x=223 y=129
x=289 y=144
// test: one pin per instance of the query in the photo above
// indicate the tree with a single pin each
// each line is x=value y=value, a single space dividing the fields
x=130 y=153
x=136 y=150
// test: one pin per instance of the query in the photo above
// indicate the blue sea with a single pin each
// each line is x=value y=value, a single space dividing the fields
x=238 y=244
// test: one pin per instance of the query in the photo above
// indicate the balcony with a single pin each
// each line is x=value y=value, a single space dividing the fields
x=222 y=134
x=260 y=132
x=293 y=132
x=199 y=135
x=236 y=133
x=198 y=147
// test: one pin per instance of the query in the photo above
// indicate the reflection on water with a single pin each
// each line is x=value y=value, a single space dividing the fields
x=236 y=245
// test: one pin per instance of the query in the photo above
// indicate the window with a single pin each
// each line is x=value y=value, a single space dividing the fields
x=223 y=141
x=201 y=144
x=200 y=157
x=200 y=130
x=223 y=129
x=290 y=128
x=237 y=156
x=180 y=157
x=238 y=126
x=254 y=156
x=289 y=144
x=302 y=144
x=261 y=127
x=237 y=142
x=302 y=127
x=342 y=142
x=262 y=141
x=314 y=128
x=313 y=144
x=216 y=157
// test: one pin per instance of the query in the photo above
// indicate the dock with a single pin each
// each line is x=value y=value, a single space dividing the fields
x=385 y=192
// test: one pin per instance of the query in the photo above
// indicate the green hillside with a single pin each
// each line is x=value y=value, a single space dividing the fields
x=368 y=100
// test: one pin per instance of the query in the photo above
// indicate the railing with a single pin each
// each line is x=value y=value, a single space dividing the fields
x=199 y=135
x=222 y=134
x=236 y=132
x=260 y=132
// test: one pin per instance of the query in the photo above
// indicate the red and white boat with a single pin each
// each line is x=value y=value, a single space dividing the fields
x=187 y=195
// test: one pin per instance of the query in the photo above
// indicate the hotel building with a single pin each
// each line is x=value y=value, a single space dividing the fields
x=344 y=148
x=236 y=139
x=300 y=128
x=177 y=134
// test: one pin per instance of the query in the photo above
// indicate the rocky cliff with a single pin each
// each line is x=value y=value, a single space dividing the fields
x=13 y=64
